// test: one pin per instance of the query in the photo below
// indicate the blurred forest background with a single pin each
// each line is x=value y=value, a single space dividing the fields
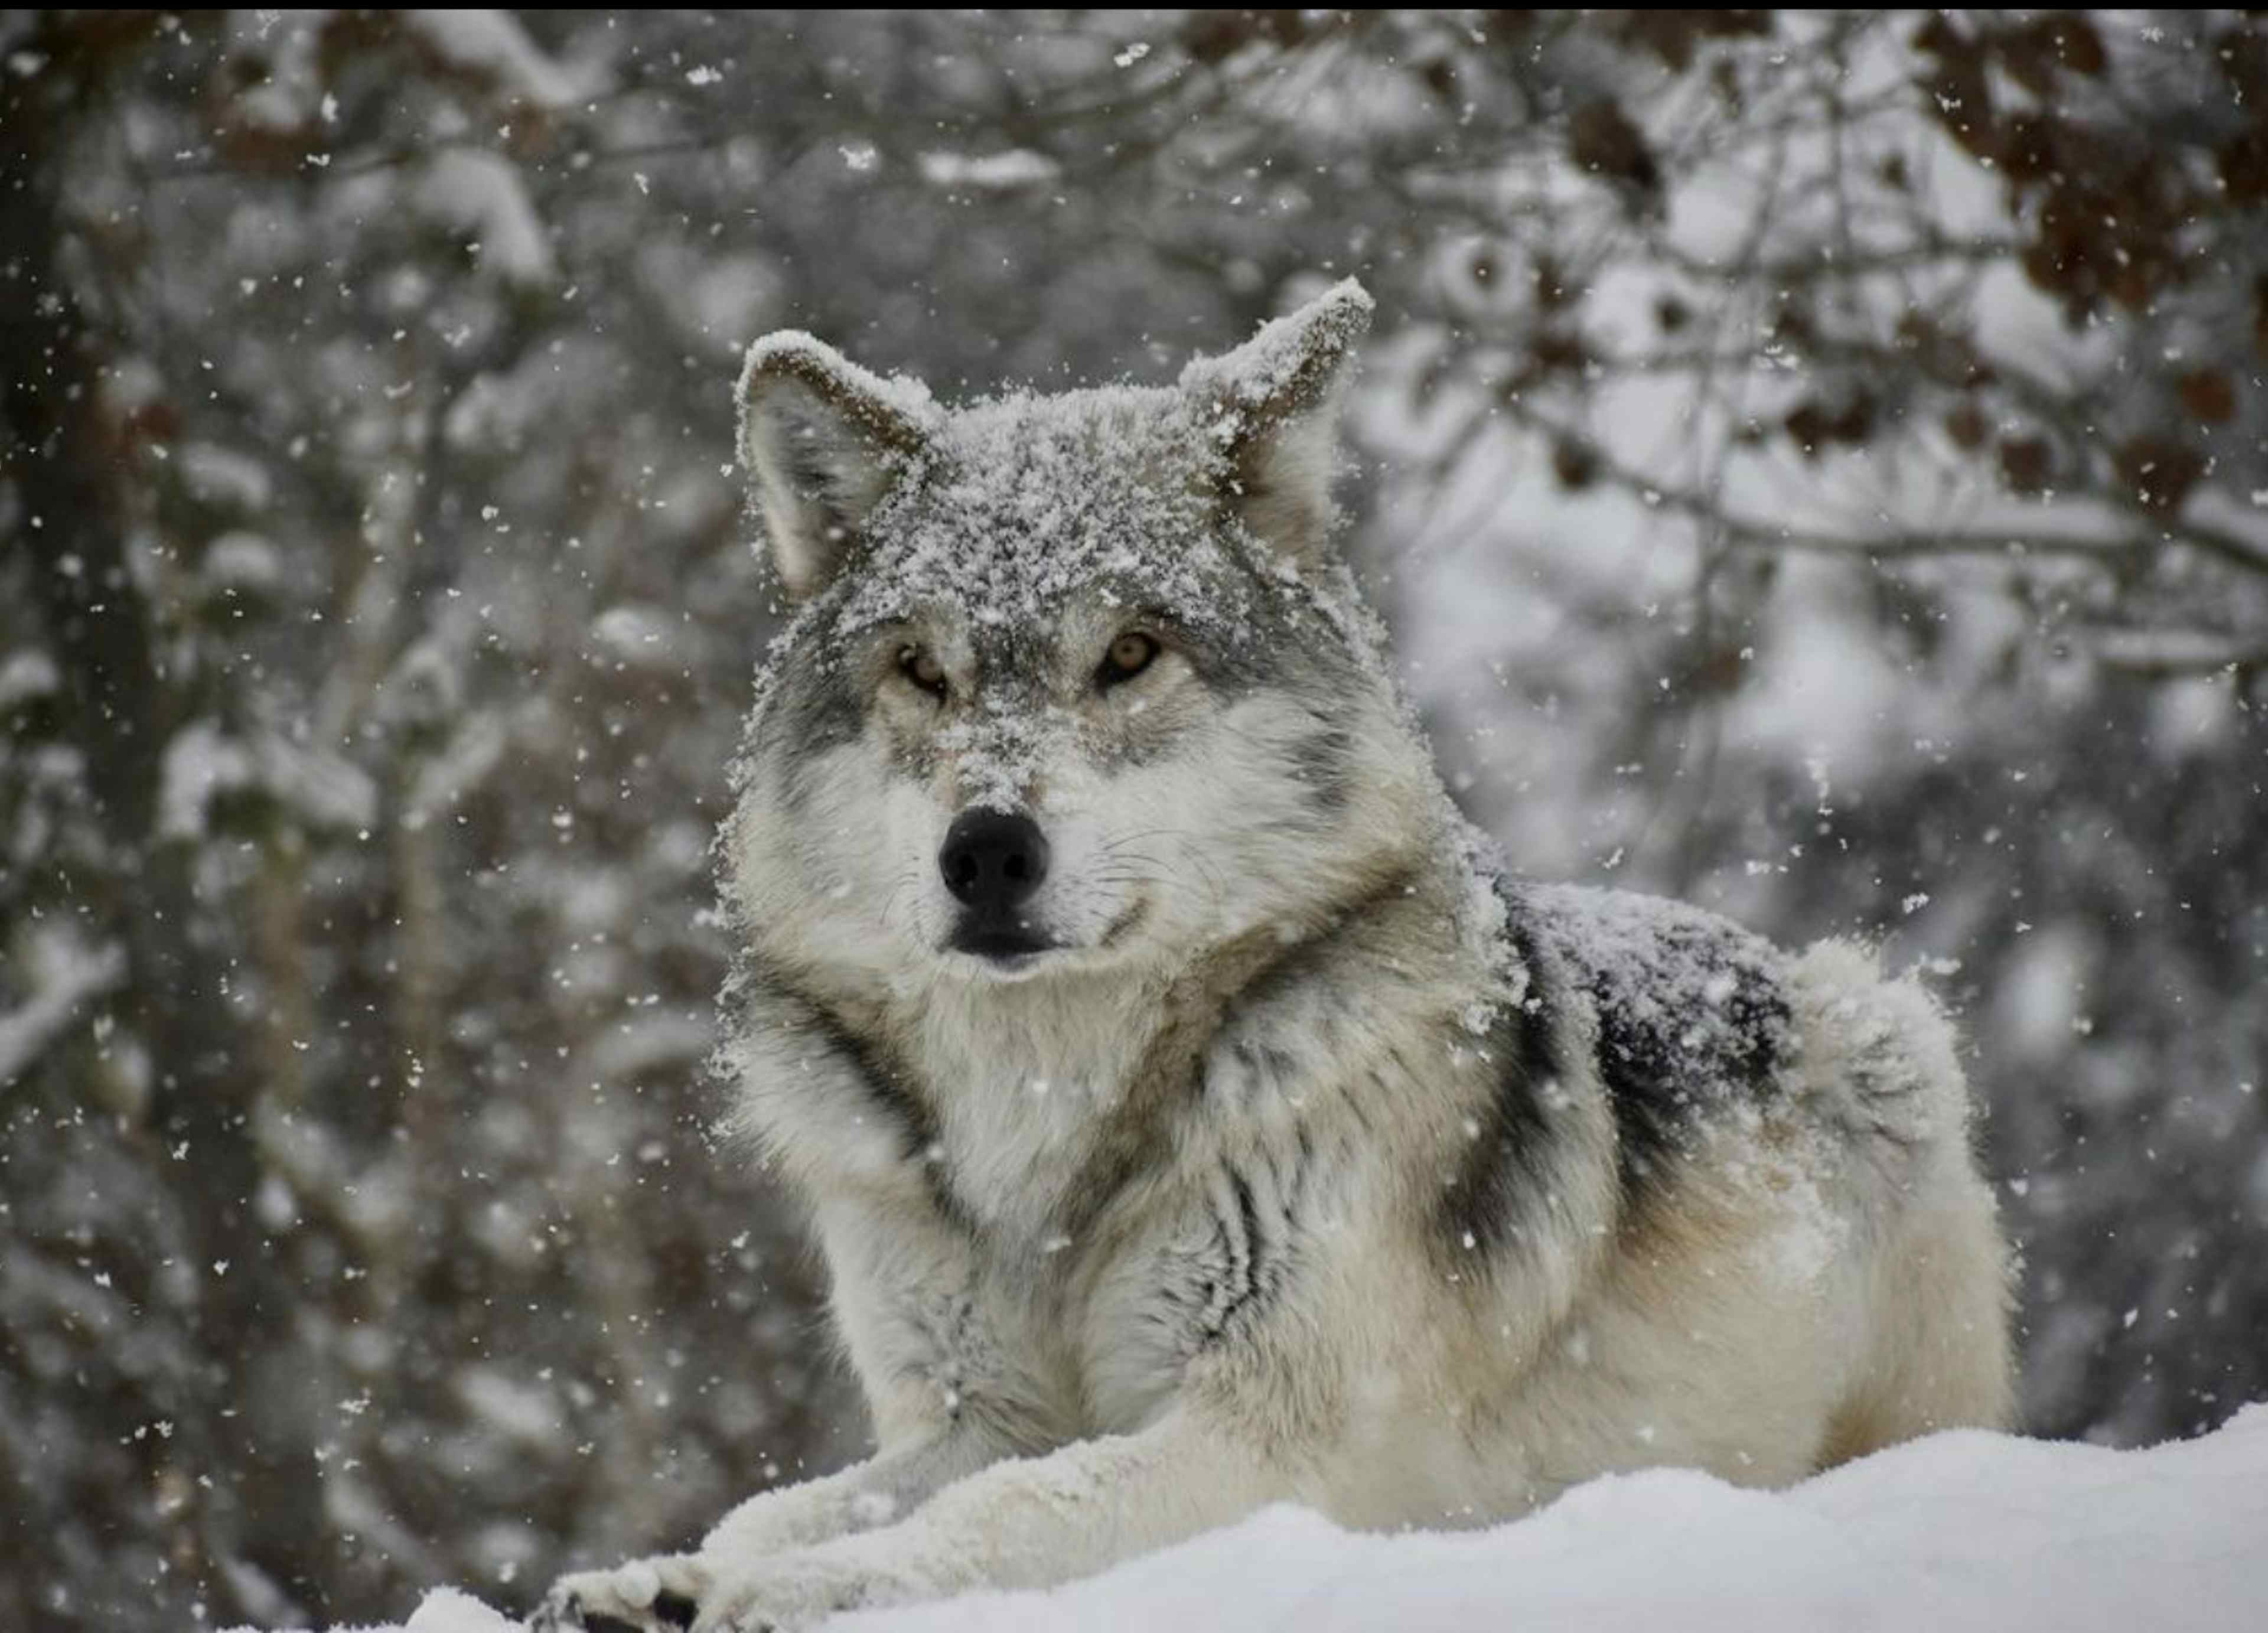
x=1815 y=463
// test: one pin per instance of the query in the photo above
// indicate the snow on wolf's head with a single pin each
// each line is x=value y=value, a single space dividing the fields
x=1077 y=683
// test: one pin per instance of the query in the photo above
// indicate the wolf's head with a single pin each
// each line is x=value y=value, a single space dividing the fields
x=1076 y=682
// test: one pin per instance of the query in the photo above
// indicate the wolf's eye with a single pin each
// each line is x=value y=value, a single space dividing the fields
x=1129 y=656
x=916 y=663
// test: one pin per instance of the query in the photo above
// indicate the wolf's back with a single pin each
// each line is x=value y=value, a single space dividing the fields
x=1695 y=1016
x=1700 y=1023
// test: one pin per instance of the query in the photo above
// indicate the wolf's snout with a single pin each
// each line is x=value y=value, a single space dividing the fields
x=993 y=860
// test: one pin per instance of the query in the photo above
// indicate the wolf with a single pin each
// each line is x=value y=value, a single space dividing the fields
x=1194 y=1112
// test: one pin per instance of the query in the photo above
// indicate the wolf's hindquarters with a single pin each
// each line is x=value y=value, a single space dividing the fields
x=1934 y=1346
x=1939 y=1357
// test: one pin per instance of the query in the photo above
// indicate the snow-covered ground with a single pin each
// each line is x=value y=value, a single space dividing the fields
x=1960 y=1531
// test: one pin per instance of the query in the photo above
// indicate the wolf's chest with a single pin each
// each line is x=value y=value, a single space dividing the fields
x=1103 y=1320
x=1127 y=1195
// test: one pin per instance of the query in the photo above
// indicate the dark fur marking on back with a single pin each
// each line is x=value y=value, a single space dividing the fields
x=1693 y=1018
x=1506 y=1167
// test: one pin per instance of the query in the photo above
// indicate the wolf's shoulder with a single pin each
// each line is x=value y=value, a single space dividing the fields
x=1656 y=958
x=1694 y=1012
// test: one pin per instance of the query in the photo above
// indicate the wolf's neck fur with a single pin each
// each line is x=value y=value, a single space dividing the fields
x=1020 y=1077
x=1032 y=1082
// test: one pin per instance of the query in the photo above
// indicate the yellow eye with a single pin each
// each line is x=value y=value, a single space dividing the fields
x=916 y=663
x=1129 y=656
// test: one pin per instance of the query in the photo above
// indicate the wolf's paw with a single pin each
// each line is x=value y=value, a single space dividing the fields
x=791 y=1592
x=658 y=1595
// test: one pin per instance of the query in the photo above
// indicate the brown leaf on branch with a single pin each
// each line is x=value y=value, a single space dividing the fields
x=2157 y=472
x=2209 y=394
x=1602 y=139
x=2026 y=463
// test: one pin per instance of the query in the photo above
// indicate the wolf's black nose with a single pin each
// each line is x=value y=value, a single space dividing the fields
x=993 y=860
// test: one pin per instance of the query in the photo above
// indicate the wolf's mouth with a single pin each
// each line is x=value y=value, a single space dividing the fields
x=1002 y=944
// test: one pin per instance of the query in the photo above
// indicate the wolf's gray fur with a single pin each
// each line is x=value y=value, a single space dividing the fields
x=1192 y=1114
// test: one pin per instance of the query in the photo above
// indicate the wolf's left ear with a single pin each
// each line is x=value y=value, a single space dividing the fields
x=1272 y=405
x=822 y=440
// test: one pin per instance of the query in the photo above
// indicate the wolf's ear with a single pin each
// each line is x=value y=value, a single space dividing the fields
x=822 y=440
x=1272 y=405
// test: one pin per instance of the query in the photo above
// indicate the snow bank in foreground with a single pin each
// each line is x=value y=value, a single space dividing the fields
x=1960 y=1531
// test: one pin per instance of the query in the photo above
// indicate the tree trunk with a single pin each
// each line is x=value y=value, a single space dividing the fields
x=264 y=1505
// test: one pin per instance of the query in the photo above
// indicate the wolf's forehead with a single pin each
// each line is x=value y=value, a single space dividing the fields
x=1026 y=506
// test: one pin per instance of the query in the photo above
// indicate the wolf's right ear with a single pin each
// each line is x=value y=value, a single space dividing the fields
x=822 y=441
x=1273 y=408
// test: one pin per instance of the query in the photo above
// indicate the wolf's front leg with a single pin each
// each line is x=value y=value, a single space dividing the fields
x=1024 y=1524
x=663 y=1591
x=882 y=1490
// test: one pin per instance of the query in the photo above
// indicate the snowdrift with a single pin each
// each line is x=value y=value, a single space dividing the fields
x=1958 y=1531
